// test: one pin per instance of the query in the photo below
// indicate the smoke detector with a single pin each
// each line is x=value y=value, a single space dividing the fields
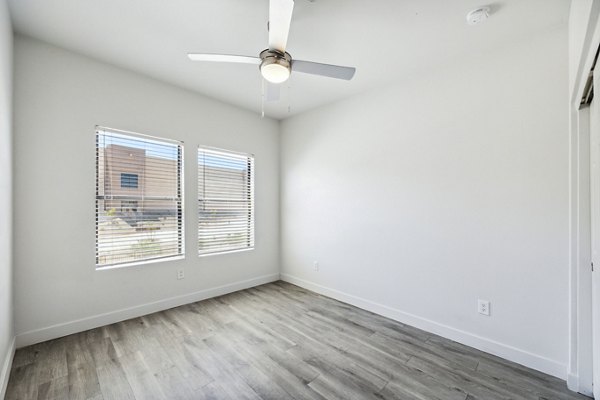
x=478 y=16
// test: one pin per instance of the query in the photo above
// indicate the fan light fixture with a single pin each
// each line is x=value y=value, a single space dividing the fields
x=275 y=73
x=275 y=66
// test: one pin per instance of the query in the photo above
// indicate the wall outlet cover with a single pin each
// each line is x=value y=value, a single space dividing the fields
x=483 y=307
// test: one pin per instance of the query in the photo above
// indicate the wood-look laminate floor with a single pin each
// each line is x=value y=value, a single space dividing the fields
x=275 y=341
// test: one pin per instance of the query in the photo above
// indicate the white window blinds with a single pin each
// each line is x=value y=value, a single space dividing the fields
x=225 y=201
x=139 y=214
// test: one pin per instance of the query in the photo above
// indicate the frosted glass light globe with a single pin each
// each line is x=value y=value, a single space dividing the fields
x=275 y=72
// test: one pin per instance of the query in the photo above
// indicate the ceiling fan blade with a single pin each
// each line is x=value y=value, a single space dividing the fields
x=273 y=92
x=224 y=58
x=328 y=70
x=280 y=19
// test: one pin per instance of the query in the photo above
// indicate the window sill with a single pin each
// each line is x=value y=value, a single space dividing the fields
x=225 y=252
x=141 y=262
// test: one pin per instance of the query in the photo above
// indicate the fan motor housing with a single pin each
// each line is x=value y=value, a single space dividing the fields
x=274 y=56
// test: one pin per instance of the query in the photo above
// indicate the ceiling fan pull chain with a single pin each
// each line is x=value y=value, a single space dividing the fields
x=289 y=95
x=262 y=97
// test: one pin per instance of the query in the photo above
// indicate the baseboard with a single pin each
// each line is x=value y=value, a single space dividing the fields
x=490 y=346
x=6 y=366
x=80 y=325
x=573 y=382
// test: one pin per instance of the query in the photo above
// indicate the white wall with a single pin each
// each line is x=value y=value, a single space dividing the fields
x=6 y=296
x=420 y=198
x=59 y=98
x=579 y=19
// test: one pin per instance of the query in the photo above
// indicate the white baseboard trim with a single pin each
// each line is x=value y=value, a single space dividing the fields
x=6 y=366
x=84 y=324
x=573 y=382
x=507 y=352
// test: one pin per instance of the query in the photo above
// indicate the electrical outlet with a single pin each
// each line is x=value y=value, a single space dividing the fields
x=483 y=307
x=180 y=274
x=316 y=265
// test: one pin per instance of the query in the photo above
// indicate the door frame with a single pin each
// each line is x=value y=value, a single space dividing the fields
x=584 y=41
x=580 y=375
x=593 y=276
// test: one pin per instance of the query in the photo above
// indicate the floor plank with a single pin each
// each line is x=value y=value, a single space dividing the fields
x=275 y=341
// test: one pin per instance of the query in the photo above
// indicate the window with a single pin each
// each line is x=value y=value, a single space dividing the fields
x=139 y=214
x=129 y=181
x=225 y=201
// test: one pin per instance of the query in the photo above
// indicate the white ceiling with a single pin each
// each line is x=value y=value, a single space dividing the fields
x=385 y=39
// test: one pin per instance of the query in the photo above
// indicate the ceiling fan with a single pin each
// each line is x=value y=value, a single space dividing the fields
x=275 y=64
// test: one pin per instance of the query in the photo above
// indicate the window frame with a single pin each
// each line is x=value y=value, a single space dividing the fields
x=180 y=199
x=251 y=167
